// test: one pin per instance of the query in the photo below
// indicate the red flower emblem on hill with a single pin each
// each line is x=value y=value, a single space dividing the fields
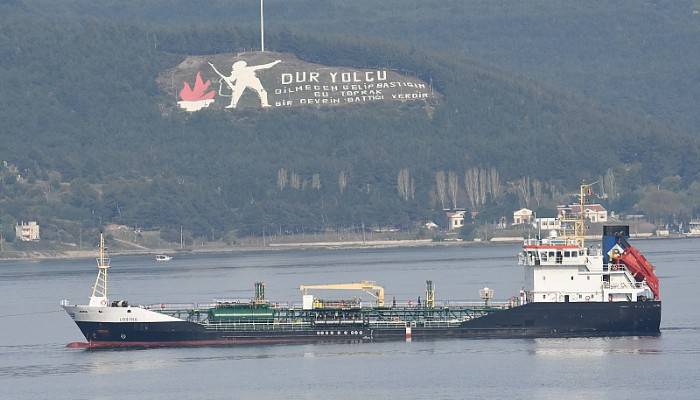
x=198 y=92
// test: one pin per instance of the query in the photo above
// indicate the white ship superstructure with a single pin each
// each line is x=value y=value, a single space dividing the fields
x=556 y=271
x=564 y=269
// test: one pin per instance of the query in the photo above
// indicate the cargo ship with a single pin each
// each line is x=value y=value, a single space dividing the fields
x=570 y=289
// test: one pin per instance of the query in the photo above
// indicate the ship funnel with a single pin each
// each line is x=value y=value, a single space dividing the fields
x=611 y=233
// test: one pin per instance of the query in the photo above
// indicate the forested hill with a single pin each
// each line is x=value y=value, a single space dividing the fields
x=87 y=141
x=638 y=55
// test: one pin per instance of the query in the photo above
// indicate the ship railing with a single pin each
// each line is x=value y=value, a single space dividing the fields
x=282 y=326
x=614 y=267
x=180 y=307
x=441 y=324
x=635 y=285
x=285 y=305
x=472 y=304
x=165 y=307
x=427 y=324
x=338 y=322
x=389 y=324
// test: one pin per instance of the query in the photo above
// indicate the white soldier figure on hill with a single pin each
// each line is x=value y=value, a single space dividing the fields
x=243 y=77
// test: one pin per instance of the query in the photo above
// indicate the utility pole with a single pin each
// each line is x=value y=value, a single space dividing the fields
x=181 y=243
x=262 y=26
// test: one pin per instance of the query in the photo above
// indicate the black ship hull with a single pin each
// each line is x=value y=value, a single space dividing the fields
x=585 y=319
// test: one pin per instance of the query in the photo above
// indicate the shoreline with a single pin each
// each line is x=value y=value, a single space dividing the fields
x=39 y=255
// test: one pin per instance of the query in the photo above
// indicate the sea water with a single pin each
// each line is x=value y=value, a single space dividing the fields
x=35 y=364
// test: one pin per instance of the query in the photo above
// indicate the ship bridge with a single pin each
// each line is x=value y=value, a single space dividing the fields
x=564 y=269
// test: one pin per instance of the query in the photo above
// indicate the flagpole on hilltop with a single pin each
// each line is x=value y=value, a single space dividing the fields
x=262 y=27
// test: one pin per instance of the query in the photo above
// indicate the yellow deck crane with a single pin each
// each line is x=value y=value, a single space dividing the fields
x=369 y=287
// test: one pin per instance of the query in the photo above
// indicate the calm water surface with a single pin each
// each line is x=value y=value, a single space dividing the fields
x=34 y=363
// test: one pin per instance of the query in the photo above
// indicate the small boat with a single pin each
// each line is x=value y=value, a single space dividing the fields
x=163 y=257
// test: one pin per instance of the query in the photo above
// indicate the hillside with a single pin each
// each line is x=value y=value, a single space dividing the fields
x=635 y=55
x=85 y=129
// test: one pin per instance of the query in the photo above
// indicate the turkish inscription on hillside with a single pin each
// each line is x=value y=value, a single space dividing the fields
x=281 y=80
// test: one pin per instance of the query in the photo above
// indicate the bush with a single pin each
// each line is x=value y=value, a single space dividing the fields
x=467 y=232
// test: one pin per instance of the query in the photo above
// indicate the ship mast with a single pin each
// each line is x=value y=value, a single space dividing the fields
x=99 y=290
x=580 y=223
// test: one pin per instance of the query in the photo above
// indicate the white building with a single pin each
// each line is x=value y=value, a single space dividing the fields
x=547 y=224
x=430 y=225
x=27 y=231
x=694 y=228
x=522 y=216
x=455 y=219
x=593 y=212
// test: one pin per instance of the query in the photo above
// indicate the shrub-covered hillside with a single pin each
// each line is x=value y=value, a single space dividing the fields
x=87 y=141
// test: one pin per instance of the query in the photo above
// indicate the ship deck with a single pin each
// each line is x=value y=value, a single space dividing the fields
x=290 y=317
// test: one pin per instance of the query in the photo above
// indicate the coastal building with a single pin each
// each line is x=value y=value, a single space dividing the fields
x=455 y=219
x=522 y=216
x=694 y=228
x=27 y=231
x=592 y=212
x=430 y=225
